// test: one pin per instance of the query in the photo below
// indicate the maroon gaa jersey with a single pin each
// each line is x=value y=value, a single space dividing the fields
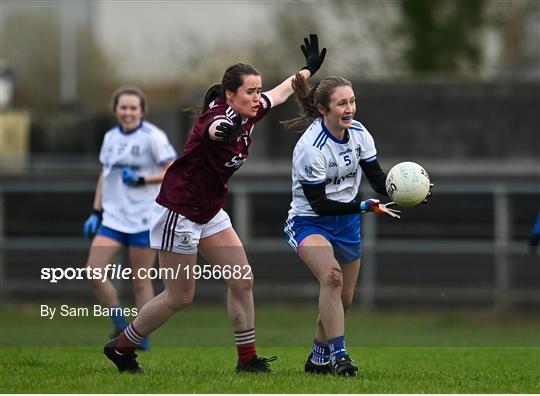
x=196 y=184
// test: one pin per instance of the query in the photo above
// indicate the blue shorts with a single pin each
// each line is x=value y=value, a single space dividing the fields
x=343 y=232
x=139 y=239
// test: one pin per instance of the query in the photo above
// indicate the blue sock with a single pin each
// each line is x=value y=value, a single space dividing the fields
x=320 y=353
x=118 y=319
x=337 y=347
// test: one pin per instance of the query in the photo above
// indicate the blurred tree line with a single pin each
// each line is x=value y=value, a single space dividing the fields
x=366 y=40
x=446 y=36
x=442 y=35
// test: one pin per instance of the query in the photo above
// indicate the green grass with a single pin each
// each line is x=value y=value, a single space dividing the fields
x=439 y=352
x=210 y=370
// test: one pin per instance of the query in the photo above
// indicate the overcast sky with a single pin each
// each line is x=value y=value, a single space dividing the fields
x=143 y=37
x=160 y=40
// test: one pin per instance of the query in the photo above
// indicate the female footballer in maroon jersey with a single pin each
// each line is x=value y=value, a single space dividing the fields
x=192 y=219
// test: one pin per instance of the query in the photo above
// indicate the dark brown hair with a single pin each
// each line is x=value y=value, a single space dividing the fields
x=232 y=79
x=129 y=91
x=309 y=97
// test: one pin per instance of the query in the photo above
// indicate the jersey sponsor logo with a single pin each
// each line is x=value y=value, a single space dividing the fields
x=120 y=166
x=337 y=180
x=345 y=152
x=332 y=164
x=236 y=162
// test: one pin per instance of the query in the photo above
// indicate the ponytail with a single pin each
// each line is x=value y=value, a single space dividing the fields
x=211 y=94
x=305 y=100
x=309 y=97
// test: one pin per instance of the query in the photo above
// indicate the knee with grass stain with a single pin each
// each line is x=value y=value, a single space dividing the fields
x=334 y=279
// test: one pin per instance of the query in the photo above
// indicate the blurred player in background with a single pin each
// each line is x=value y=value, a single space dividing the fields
x=323 y=225
x=135 y=155
x=192 y=219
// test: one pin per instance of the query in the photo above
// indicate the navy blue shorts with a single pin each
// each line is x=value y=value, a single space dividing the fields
x=139 y=239
x=343 y=232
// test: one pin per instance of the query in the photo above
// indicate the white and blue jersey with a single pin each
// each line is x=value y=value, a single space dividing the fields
x=321 y=158
x=145 y=150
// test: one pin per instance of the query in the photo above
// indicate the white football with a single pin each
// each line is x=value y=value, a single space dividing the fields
x=407 y=184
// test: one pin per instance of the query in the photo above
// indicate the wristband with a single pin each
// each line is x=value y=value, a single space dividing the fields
x=363 y=207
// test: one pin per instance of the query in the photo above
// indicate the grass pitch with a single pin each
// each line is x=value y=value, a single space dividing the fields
x=194 y=353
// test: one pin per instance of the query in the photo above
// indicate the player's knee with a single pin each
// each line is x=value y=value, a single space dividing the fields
x=178 y=301
x=182 y=302
x=334 y=279
x=242 y=286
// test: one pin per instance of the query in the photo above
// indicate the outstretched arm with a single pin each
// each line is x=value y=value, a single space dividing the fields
x=282 y=92
x=314 y=60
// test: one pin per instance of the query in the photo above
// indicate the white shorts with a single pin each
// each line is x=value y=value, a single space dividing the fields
x=175 y=233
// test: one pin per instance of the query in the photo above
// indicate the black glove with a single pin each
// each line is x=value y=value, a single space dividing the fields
x=226 y=132
x=310 y=49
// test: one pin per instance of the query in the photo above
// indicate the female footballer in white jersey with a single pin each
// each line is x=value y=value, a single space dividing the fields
x=323 y=225
x=135 y=155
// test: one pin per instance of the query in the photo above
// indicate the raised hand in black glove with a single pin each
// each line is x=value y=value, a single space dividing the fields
x=310 y=49
x=226 y=132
